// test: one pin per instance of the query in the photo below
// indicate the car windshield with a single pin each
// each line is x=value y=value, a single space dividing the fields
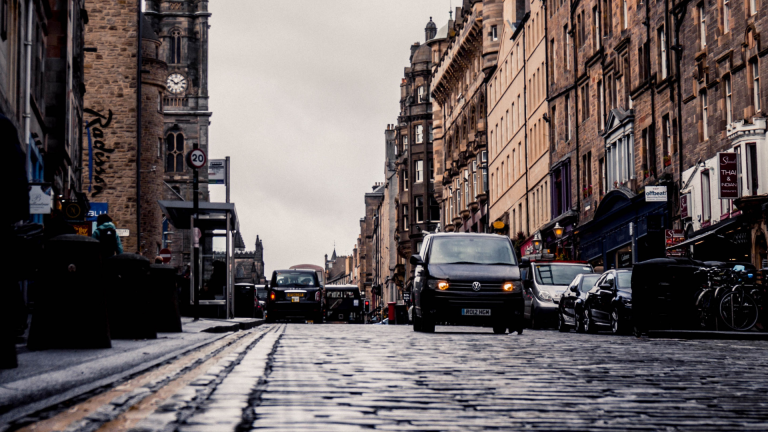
x=588 y=281
x=559 y=274
x=471 y=250
x=625 y=281
x=261 y=294
x=296 y=279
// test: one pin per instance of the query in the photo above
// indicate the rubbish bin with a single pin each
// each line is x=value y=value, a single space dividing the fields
x=245 y=294
x=401 y=314
x=70 y=307
x=130 y=297
x=664 y=294
x=165 y=298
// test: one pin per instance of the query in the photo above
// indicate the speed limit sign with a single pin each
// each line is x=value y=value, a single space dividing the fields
x=196 y=158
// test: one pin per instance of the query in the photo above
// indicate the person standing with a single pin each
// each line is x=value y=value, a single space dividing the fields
x=106 y=234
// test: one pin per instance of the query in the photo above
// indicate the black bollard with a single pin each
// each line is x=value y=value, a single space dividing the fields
x=70 y=306
x=130 y=297
x=165 y=298
x=245 y=294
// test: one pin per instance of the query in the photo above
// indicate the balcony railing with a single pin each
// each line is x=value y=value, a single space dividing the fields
x=175 y=102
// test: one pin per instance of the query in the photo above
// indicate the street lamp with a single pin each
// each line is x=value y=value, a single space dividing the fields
x=558 y=231
x=537 y=242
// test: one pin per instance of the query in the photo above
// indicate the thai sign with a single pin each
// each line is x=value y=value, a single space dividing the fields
x=672 y=238
x=684 y=200
x=728 y=167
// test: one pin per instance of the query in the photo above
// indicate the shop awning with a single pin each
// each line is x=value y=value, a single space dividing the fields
x=211 y=216
x=704 y=235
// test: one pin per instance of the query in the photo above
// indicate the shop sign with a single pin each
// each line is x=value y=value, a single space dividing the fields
x=625 y=259
x=123 y=232
x=728 y=167
x=672 y=238
x=97 y=209
x=83 y=229
x=655 y=194
x=684 y=200
x=40 y=198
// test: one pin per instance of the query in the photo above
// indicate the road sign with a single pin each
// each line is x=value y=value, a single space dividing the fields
x=196 y=158
x=217 y=173
x=165 y=254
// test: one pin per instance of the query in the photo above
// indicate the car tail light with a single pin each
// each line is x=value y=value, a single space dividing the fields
x=317 y=296
x=272 y=295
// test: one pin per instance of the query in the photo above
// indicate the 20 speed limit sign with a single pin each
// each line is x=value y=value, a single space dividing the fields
x=196 y=158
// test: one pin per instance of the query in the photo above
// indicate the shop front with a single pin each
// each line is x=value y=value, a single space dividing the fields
x=626 y=229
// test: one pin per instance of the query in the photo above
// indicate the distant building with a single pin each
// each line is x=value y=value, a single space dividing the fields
x=339 y=270
x=249 y=265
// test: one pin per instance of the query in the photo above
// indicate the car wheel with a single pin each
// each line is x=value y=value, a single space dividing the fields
x=562 y=327
x=416 y=323
x=427 y=325
x=534 y=325
x=579 y=318
x=499 y=329
x=617 y=327
x=589 y=323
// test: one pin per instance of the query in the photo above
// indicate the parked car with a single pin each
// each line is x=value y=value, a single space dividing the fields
x=609 y=303
x=295 y=295
x=572 y=300
x=544 y=281
x=260 y=301
x=467 y=279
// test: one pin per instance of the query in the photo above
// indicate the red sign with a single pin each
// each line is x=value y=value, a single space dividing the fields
x=673 y=237
x=165 y=254
x=684 y=206
x=728 y=166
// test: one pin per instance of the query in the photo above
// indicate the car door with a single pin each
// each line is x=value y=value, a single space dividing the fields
x=527 y=290
x=590 y=296
x=601 y=309
x=419 y=278
x=569 y=298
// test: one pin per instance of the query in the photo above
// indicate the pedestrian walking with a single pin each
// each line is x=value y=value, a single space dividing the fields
x=106 y=234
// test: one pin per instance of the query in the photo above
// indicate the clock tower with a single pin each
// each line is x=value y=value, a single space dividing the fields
x=182 y=26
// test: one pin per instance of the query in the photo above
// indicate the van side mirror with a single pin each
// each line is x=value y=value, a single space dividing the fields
x=416 y=260
x=607 y=284
x=525 y=263
x=574 y=288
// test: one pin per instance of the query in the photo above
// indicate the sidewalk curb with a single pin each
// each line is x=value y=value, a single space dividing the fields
x=702 y=334
x=17 y=413
x=232 y=326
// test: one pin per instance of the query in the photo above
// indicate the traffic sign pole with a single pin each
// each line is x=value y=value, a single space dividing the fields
x=196 y=159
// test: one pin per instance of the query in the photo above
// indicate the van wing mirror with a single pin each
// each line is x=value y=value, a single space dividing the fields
x=525 y=263
x=416 y=260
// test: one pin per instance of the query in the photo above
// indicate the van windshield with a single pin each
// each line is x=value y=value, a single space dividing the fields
x=559 y=274
x=472 y=250
x=295 y=279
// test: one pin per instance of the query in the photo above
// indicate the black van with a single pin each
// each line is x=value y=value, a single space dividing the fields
x=295 y=295
x=467 y=279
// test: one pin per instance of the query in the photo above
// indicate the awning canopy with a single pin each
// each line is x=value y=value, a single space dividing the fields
x=211 y=216
x=699 y=238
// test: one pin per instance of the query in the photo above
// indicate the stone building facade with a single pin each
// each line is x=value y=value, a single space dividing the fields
x=459 y=86
x=518 y=121
x=51 y=137
x=249 y=265
x=724 y=102
x=612 y=101
x=111 y=122
x=418 y=210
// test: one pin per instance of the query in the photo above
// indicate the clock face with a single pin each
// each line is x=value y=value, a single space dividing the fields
x=176 y=83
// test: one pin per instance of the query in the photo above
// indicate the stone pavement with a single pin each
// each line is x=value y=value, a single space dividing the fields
x=360 y=377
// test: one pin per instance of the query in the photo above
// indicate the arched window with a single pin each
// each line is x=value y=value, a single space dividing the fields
x=175 y=52
x=174 y=159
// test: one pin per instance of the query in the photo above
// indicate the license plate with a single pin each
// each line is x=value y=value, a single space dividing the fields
x=294 y=294
x=295 y=299
x=476 y=312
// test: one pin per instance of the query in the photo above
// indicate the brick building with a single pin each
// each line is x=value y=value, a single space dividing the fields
x=517 y=120
x=724 y=102
x=418 y=210
x=612 y=101
x=463 y=63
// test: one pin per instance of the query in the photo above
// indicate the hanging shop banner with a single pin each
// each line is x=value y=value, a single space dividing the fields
x=673 y=237
x=97 y=208
x=684 y=200
x=728 y=168
x=655 y=194
x=217 y=171
x=40 y=198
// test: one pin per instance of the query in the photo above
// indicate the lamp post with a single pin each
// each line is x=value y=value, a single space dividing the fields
x=537 y=243
x=558 y=230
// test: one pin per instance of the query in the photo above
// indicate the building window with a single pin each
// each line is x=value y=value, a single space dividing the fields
x=175 y=47
x=704 y=108
x=728 y=100
x=553 y=124
x=405 y=180
x=434 y=209
x=159 y=148
x=405 y=143
x=663 y=52
x=458 y=196
x=561 y=191
x=752 y=183
x=620 y=161
x=601 y=102
x=585 y=102
x=596 y=27
x=601 y=173
x=431 y=165
x=174 y=159
x=474 y=184
x=450 y=203
x=466 y=185
x=419 y=205
x=419 y=134
x=726 y=16
x=667 y=140
x=702 y=26
x=755 y=84
x=431 y=135
x=624 y=14
x=494 y=33
x=752 y=7
x=649 y=142
x=706 y=198
x=419 y=171
x=405 y=217
x=423 y=95
x=552 y=60
x=567 y=56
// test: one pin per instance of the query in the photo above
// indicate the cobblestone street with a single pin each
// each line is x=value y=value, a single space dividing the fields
x=390 y=378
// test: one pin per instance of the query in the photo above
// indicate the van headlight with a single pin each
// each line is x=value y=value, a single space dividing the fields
x=441 y=285
x=545 y=295
x=515 y=286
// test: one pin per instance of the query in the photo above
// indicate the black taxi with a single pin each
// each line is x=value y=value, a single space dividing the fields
x=295 y=295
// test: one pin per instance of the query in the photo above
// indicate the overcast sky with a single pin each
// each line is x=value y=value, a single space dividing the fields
x=301 y=92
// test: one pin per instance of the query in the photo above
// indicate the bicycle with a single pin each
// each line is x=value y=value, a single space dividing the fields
x=738 y=309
